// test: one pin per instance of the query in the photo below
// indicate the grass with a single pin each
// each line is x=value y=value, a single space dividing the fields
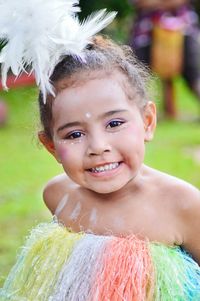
x=25 y=166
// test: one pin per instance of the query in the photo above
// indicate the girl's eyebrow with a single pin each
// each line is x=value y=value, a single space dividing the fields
x=68 y=125
x=110 y=113
x=78 y=123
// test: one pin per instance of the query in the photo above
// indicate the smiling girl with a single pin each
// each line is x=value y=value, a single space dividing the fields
x=100 y=121
x=122 y=230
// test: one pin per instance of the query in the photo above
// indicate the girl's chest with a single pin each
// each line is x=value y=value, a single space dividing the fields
x=154 y=223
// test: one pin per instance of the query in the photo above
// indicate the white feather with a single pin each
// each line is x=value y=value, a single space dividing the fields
x=40 y=32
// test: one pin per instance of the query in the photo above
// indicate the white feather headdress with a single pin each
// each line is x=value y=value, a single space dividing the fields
x=39 y=32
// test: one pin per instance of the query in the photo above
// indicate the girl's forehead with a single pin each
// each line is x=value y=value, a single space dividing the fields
x=90 y=91
x=81 y=78
x=92 y=97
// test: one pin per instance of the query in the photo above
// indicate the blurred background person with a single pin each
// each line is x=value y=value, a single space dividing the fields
x=165 y=36
x=3 y=112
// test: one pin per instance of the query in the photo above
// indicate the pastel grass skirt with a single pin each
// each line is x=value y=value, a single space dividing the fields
x=56 y=264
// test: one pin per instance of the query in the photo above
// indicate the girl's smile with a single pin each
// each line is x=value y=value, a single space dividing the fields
x=105 y=170
x=103 y=152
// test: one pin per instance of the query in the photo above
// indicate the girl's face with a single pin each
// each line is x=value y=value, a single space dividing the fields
x=99 y=134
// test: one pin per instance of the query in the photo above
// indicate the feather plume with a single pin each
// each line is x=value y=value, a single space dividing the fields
x=39 y=32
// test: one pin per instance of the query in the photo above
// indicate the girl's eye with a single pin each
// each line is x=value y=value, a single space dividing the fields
x=115 y=123
x=74 y=135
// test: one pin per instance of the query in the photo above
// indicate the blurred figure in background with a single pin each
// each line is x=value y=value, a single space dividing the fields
x=165 y=36
x=3 y=112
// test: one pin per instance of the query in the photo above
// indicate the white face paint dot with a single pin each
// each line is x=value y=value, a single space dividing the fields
x=88 y=115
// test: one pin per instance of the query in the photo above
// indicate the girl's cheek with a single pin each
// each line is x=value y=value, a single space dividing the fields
x=134 y=130
x=62 y=152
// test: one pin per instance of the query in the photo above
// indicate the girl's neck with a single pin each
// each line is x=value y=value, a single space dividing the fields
x=132 y=187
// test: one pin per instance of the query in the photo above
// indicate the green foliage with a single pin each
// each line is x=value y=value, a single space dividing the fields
x=122 y=7
x=119 y=29
x=197 y=6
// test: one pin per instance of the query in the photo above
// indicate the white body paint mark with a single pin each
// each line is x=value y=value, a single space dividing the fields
x=93 y=217
x=118 y=222
x=61 y=205
x=75 y=212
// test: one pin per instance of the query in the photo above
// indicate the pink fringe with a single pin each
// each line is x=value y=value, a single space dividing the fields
x=126 y=272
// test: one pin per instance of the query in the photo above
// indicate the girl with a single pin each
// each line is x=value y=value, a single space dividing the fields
x=97 y=130
x=120 y=226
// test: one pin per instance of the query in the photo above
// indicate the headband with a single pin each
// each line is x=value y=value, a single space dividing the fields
x=37 y=34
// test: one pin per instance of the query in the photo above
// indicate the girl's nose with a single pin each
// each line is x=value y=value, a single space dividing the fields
x=97 y=146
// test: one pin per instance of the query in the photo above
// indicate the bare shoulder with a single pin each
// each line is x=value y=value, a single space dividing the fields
x=55 y=189
x=182 y=193
x=186 y=197
x=189 y=218
x=184 y=202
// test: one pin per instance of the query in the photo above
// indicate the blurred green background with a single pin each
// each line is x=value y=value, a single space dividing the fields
x=25 y=166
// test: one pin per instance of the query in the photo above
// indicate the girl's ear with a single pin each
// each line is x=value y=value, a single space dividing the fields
x=149 y=116
x=47 y=142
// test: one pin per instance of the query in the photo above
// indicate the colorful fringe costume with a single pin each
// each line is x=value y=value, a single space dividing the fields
x=58 y=265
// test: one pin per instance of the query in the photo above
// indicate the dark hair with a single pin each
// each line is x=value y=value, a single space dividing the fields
x=101 y=55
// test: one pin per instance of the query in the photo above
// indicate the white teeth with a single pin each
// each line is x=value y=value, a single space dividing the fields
x=105 y=167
